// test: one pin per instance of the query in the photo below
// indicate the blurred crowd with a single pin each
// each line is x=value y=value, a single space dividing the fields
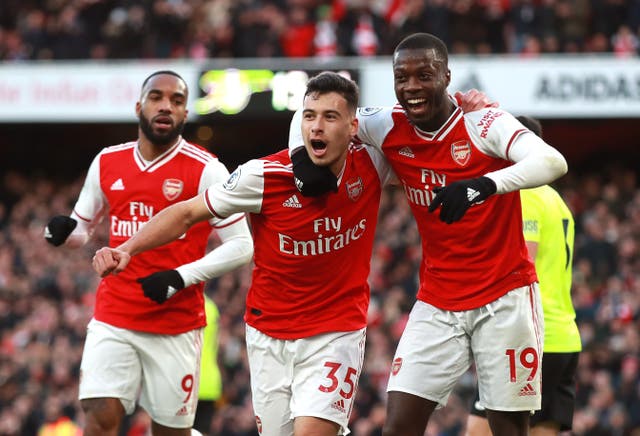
x=46 y=298
x=198 y=29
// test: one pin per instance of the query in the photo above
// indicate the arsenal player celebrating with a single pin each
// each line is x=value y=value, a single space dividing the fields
x=133 y=182
x=306 y=309
x=478 y=298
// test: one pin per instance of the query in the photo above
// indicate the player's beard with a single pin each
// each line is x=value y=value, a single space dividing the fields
x=161 y=139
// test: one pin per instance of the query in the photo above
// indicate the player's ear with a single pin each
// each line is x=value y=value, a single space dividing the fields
x=138 y=108
x=353 y=127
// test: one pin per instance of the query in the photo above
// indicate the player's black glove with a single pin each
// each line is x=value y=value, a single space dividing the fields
x=457 y=197
x=161 y=285
x=312 y=180
x=58 y=229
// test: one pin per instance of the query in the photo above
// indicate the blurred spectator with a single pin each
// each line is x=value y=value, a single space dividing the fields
x=298 y=36
x=467 y=36
x=325 y=39
x=573 y=24
x=362 y=31
x=624 y=42
x=258 y=26
x=414 y=16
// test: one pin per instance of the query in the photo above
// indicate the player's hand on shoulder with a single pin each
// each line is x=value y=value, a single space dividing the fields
x=473 y=100
x=58 y=229
x=162 y=285
x=109 y=260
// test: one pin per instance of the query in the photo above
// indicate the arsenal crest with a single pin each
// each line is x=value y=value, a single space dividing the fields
x=396 y=365
x=461 y=152
x=172 y=188
x=354 y=188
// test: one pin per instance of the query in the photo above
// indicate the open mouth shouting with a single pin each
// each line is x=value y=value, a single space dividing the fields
x=318 y=147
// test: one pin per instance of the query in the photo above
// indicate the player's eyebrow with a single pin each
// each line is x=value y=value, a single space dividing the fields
x=156 y=91
x=326 y=111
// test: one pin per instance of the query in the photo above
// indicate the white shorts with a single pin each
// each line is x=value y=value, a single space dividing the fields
x=315 y=376
x=162 y=371
x=504 y=338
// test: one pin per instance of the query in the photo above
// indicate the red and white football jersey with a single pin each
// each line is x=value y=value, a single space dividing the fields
x=133 y=191
x=476 y=260
x=312 y=254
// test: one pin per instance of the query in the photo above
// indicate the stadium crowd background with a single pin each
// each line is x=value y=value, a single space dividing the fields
x=46 y=296
x=198 y=29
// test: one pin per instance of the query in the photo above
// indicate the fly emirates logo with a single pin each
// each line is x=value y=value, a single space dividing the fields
x=140 y=213
x=423 y=194
x=329 y=236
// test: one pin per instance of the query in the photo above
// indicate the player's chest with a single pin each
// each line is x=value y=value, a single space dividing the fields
x=416 y=159
x=144 y=194
x=357 y=198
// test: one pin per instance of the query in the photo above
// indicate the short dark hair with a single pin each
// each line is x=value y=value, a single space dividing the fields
x=531 y=124
x=424 y=41
x=329 y=81
x=157 y=73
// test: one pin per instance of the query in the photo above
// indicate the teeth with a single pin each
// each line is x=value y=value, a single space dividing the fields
x=416 y=100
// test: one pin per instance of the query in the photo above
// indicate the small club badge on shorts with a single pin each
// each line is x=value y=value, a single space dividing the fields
x=396 y=365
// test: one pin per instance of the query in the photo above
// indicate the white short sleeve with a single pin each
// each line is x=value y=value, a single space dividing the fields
x=241 y=192
x=374 y=124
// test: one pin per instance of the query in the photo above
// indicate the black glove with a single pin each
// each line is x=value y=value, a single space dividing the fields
x=457 y=197
x=312 y=180
x=58 y=229
x=162 y=285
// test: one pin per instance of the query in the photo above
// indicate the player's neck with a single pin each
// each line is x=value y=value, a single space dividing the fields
x=150 y=151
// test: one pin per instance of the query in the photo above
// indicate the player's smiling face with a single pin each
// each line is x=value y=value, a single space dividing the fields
x=162 y=109
x=328 y=125
x=420 y=80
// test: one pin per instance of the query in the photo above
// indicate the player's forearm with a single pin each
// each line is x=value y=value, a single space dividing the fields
x=534 y=166
x=83 y=231
x=226 y=257
x=163 y=228
x=236 y=250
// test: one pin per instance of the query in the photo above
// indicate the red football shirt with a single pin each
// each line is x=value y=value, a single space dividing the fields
x=312 y=254
x=133 y=191
x=483 y=256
